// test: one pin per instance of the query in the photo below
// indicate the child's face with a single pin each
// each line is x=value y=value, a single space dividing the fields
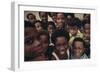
x=87 y=35
x=78 y=49
x=87 y=31
x=38 y=26
x=61 y=45
x=87 y=27
x=31 y=18
x=32 y=45
x=50 y=29
x=73 y=30
x=53 y=16
x=45 y=42
x=86 y=17
x=44 y=17
x=60 y=19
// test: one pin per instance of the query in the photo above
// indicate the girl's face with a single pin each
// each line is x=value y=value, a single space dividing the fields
x=45 y=42
x=60 y=19
x=73 y=30
x=61 y=45
x=38 y=26
x=50 y=29
x=78 y=49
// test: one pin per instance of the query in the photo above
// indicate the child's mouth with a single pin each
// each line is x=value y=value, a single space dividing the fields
x=62 y=52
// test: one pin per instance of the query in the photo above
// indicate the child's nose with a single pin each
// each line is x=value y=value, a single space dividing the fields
x=72 y=31
x=61 y=20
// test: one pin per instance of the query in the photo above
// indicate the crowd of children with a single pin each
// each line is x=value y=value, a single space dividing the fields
x=65 y=37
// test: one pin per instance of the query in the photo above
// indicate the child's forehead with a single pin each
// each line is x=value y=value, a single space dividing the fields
x=87 y=25
x=61 y=38
x=60 y=14
x=43 y=36
x=78 y=42
x=30 y=15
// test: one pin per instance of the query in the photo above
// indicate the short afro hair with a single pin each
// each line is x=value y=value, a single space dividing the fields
x=60 y=33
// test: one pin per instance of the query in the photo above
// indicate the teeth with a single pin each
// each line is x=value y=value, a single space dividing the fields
x=62 y=52
x=62 y=48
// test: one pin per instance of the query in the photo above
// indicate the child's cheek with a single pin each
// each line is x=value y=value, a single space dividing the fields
x=28 y=50
x=78 y=53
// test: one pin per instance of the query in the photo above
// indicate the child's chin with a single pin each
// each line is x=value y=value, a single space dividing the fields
x=78 y=55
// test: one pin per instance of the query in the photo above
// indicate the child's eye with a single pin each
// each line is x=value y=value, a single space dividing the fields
x=28 y=41
x=38 y=26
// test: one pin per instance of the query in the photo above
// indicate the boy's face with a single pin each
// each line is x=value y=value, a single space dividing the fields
x=45 y=42
x=38 y=26
x=60 y=19
x=50 y=28
x=32 y=45
x=73 y=30
x=78 y=49
x=44 y=17
x=61 y=45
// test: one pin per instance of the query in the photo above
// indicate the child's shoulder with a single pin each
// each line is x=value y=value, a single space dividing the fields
x=84 y=56
x=79 y=34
